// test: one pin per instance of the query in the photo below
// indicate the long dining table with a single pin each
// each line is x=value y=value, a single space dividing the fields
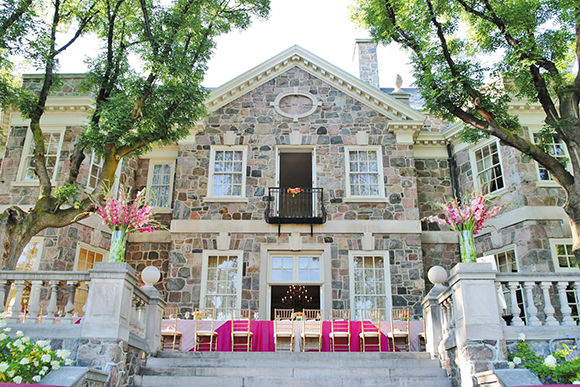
x=263 y=334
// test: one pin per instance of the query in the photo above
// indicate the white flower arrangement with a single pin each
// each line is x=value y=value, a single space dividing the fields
x=23 y=361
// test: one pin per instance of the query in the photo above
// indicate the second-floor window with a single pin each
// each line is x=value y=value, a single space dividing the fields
x=160 y=182
x=364 y=170
x=488 y=170
x=557 y=149
x=95 y=168
x=52 y=145
x=227 y=172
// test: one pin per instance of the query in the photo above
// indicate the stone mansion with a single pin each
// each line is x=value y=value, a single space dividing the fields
x=369 y=163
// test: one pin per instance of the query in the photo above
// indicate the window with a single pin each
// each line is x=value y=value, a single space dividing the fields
x=291 y=268
x=87 y=256
x=370 y=283
x=562 y=255
x=95 y=168
x=222 y=282
x=227 y=172
x=160 y=183
x=506 y=262
x=364 y=169
x=488 y=170
x=52 y=145
x=557 y=149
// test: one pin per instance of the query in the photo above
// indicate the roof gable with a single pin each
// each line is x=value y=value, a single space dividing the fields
x=399 y=113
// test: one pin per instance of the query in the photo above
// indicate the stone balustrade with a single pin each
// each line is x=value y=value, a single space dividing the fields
x=463 y=321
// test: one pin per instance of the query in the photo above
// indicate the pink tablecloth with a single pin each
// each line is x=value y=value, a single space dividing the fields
x=263 y=336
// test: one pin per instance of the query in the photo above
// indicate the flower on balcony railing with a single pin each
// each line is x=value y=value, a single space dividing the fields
x=470 y=214
x=23 y=361
x=294 y=191
x=120 y=213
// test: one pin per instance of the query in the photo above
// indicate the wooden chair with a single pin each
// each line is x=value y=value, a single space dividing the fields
x=241 y=329
x=205 y=335
x=370 y=335
x=170 y=337
x=399 y=336
x=311 y=330
x=283 y=330
x=339 y=329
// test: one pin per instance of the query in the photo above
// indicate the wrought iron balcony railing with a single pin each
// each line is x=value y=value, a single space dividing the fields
x=305 y=207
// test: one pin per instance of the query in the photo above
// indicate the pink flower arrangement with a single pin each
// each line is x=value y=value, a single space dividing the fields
x=122 y=214
x=294 y=191
x=470 y=215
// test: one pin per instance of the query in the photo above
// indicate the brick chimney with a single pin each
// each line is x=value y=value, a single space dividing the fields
x=368 y=62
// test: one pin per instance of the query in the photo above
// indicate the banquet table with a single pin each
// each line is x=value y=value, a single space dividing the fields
x=263 y=334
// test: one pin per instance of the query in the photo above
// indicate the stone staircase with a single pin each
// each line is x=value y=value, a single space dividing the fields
x=282 y=369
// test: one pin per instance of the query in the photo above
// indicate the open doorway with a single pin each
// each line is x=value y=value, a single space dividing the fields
x=279 y=292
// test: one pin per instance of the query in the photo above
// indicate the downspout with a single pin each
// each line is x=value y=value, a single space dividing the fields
x=451 y=161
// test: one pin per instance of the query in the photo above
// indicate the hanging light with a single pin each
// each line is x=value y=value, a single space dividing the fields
x=296 y=295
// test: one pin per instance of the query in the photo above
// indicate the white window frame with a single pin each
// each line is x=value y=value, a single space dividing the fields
x=82 y=245
x=295 y=255
x=380 y=171
x=505 y=249
x=93 y=163
x=204 y=274
x=473 y=158
x=40 y=241
x=28 y=143
x=550 y=181
x=388 y=291
x=152 y=163
x=210 y=188
x=561 y=241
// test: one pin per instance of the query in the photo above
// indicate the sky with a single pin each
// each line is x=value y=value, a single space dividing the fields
x=322 y=27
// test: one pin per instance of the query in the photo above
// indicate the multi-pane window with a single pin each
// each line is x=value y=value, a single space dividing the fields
x=160 y=183
x=222 y=283
x=370 y=283
x=227 y=172
x=95 y=168
x=86 y=258
x=506 y=261
x=557 y=149
x=563 y=256
x=52 y=143
x=489 y=173
x=295 y=268
x=364 y=170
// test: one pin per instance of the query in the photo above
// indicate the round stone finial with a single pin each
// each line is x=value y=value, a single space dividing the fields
x=437 y=275
x=150 y=275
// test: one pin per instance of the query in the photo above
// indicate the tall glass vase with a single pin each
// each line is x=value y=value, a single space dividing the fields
x=118 y=241
x=467 y=246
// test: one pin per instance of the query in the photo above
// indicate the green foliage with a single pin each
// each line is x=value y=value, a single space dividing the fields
x=562 y=367
x=67 y=193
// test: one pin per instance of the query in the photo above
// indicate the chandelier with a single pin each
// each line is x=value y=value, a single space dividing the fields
x=296 y=296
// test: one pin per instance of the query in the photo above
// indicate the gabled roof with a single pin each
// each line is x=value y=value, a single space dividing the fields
x=400 y=114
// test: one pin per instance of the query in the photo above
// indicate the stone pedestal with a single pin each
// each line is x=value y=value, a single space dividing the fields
x=432 y=318
x=153 y=317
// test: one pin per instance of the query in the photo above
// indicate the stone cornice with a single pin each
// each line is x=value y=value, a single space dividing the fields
x=296 y=56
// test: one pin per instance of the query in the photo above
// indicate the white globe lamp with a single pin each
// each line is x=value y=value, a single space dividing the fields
x=150 y=275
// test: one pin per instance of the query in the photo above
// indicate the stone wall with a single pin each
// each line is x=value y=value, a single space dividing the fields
x=70 y=84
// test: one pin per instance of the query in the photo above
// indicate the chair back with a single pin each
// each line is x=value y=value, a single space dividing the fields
x=241 y=320
x=340 y=321
x=400 y=320
x=171 y=314
x=283 y=320
x=204 y=320
x=312 y=321
x=370 y=320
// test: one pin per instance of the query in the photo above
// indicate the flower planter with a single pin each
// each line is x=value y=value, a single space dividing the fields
x=467 y=246
x=118 y=242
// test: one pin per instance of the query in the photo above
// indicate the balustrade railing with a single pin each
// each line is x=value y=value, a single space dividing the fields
x=536 y=299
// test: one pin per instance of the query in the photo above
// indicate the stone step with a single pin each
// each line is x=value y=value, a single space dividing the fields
x=299 y=372
x=251 y=381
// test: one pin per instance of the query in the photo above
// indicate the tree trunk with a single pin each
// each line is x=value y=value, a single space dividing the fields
x=572 y=209
x=15 y=233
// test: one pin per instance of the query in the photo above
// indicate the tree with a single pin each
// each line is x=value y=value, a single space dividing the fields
x=462 y=50
x=135 y=108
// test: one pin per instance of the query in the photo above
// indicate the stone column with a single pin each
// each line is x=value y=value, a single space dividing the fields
x=433 y=323
x=108 y=306
x=153 y=317
x=478 y=329
x=368 y=62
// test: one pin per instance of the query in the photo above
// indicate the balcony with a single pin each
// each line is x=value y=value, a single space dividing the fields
x=305 y=207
